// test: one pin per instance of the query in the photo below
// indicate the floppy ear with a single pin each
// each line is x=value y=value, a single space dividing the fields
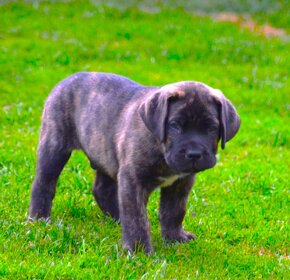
x=229 y=120
x=154 y=112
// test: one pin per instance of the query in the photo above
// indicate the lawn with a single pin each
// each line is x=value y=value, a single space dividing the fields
x=239 y=209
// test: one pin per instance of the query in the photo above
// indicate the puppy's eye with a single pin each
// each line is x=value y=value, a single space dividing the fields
x=212 y=129
x=175 y=125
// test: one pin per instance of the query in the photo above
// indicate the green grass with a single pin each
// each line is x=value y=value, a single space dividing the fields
x=241 y=206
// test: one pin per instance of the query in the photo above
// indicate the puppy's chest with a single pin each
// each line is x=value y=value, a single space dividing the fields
x=169 y=180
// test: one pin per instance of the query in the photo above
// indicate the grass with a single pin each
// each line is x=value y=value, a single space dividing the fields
x=239 y=209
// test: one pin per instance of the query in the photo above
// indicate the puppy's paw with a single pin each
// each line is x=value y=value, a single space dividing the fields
x=35 y=219
x=179 y=235
x=137 y=246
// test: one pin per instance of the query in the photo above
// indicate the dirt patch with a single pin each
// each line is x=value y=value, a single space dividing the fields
x=247 y=23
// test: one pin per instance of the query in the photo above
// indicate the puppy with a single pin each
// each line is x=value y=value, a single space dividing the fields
x=136 y=138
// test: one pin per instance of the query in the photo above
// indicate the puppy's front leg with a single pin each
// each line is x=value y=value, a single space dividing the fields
x=172 y=209
x=133 y=197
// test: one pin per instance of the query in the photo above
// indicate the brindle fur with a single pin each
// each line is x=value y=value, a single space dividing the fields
x=135 y=137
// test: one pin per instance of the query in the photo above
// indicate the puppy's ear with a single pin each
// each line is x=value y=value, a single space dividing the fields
x=229 y=120
x=154 y=112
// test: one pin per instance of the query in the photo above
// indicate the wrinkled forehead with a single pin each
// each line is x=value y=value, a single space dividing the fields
x=194 y=99
x=189 y=86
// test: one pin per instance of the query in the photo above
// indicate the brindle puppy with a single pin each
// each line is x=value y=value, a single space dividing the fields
x=137 y=138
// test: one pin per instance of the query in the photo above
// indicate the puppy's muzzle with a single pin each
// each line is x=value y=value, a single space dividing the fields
x=195 y=158
x=193 y=155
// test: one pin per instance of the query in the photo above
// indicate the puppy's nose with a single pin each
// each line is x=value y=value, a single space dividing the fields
x=193 y=154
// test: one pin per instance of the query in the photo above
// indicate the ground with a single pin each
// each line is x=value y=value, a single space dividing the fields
x=239 y=209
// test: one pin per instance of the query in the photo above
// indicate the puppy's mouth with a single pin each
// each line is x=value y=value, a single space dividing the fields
x=182 y=165
x=204 y=164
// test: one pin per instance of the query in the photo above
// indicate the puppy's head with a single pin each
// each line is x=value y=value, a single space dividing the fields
x=189 y=119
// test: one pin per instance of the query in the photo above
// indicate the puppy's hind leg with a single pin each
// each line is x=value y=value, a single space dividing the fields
x=105 y=193
x=53 y=153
